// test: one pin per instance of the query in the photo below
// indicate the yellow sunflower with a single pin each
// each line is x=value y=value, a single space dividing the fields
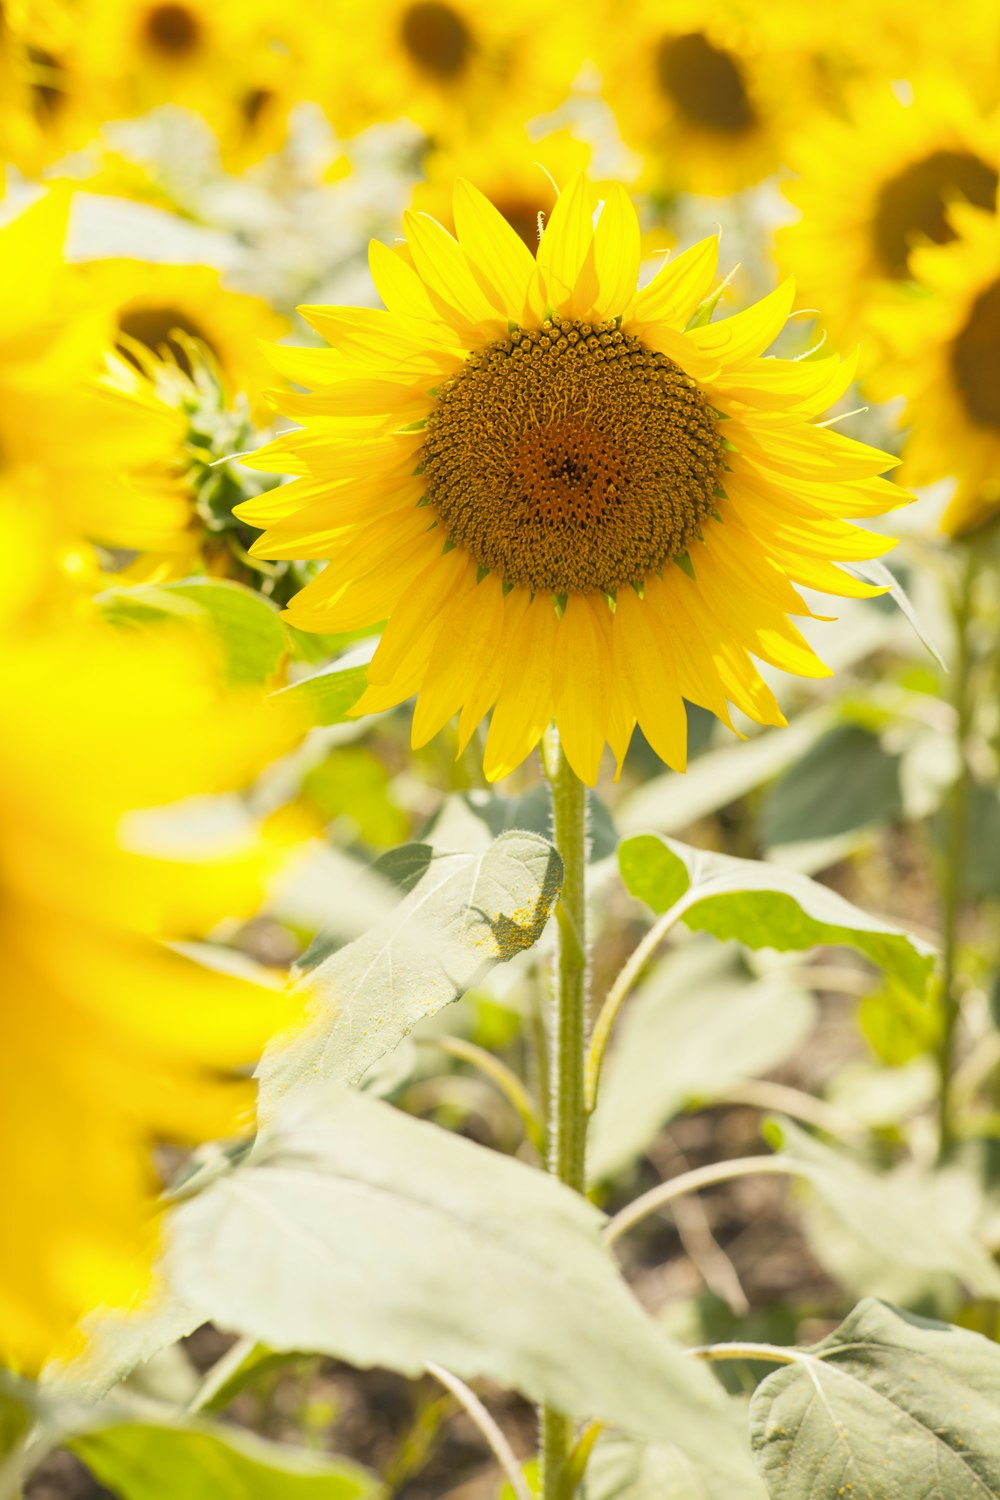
x=233 y=62
x=874 y=187
x=706 y=94
x=112 y=1040
x=519 y=175
x=110 y=476
x=448 y=65
x=48 y=106
x=944 y=338
x=153 y=302
x=567 y=503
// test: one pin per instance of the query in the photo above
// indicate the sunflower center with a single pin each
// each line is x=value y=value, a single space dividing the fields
x=436 y=37
x=975 y=359
x=172 y=30
x=706 y=84
x=47 y=79
x=571 y=458
x=915 y=204
x=158 y=326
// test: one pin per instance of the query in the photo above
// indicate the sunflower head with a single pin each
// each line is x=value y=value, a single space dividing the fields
x=569 y=498
x=943 y=342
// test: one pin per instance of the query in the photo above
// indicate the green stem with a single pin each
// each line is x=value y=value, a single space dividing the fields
x=566 y=1122
x=956 y=813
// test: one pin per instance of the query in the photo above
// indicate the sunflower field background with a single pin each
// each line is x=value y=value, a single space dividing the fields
x=500 y=757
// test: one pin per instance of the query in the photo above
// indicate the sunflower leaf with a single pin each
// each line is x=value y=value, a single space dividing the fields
x=247 y=628
x=764 y=906
x=461 y=915
x=326 y=697
x=621 y=1469
x=137 y=1459
x=356 y=1231
x=889 y=1407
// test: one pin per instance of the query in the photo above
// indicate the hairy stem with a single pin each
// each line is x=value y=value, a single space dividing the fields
x=566 y=1131
x=956 y=814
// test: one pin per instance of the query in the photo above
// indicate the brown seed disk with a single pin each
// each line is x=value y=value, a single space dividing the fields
x=975 y=359
x=572 y=458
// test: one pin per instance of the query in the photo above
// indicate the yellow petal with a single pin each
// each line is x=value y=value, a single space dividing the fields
x=564 y=252
x=524 y=706
x=678 y=287
x=493 y=246
x=583 y=682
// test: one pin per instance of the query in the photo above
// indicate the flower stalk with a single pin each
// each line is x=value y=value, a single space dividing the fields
x=566 y=1123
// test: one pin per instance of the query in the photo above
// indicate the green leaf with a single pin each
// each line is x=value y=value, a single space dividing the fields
x=896 y=1215
x=464 y=914
x=765 y=906
x=843 y=782
x=140 y=1461
x=889 y=1407
x=246 y=626
x=670 y=1051
x=621 y=1469
x=356 y=1231
x=16 y=1415
x=326 y=697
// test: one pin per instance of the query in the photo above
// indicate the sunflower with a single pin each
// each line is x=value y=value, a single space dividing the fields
x=944 y=337
x=111 y=476
x=518 y=174
x=448 y=65
x=234 y=62
x=871 y=189
x=112 y=1040
x=706 y=94
x=153 y=302
x=565 y=501
x=48 y=107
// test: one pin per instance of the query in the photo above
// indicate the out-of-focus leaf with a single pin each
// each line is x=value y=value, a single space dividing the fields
x=248 y=629
x=980 y=862
x=118 y=1342
x=357 y=1231
x=16 y=1415
x=843 y=782
x=621 y=1469
x=464 y=914
x=326 y=697
x=896 y=1215
x=896 y=1025
x=765 y=906
x=889 y=1407
x=698 y=1025
x=139 y=1461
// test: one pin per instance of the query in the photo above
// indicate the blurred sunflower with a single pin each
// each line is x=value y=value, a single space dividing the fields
x=234 y=64
x=154 y=302
x=872 y=189
x=448 y=65
x=110 y=477
x=567 y=502
x=945 y=342
x=518 y=174
x=48 y=106
x=705 y=94
x=111 y=1040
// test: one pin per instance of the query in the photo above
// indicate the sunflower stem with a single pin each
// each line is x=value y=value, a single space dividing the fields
x=566 y=1116
x=952 y=885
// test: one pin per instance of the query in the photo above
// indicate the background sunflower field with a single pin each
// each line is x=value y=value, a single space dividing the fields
x=500 y=750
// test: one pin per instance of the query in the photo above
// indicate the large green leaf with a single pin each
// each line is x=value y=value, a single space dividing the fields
x=357 y=1231
x=843 y=782
x=889 y=1407
x=248 y=628
x=698 y=1025
x=140 y=1461
x=463 y=913
x=326 y=697
x=895 y=1215
x=764 y=906
x=621 y=1469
